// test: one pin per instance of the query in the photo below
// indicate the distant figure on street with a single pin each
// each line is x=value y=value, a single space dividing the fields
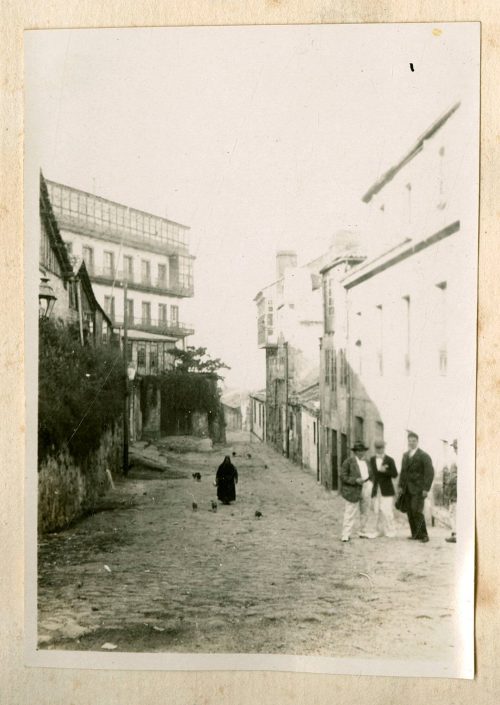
x=415 y=483
x=357 y=491
x=450 y=492
x=226 y=479
x=383 y=469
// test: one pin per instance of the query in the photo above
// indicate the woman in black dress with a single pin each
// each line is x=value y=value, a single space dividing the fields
x=226 y=479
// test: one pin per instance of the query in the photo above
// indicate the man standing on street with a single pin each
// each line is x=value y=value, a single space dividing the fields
x=356 y=491
x=383 y=469
x=416 y=479
x=450 y=492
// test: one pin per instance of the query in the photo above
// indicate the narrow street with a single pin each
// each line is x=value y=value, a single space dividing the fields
x=149 y=573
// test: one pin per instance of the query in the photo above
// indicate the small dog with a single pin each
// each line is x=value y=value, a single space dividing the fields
x=195 y=506
x=197 y=476
x=214 y=506
x=258 y=514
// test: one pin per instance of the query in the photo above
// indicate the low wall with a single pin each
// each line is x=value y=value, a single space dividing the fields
x=68 y=490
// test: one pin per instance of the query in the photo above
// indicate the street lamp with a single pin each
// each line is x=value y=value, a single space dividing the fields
x=129 y=377
x=46 y=298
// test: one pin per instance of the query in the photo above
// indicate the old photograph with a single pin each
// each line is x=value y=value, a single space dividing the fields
x=251 y=291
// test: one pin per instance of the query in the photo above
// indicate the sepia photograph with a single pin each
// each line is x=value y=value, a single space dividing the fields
x=251 y=292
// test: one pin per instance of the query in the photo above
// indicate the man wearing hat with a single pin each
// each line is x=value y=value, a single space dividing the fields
x=383 y=470
x=356 y=491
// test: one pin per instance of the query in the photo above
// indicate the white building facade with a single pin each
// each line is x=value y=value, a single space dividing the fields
x=150 y=254
x=404 y=326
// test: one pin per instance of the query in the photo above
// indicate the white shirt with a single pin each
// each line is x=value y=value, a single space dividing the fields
x=379 y=459
x=411 y=453
x=363 y=469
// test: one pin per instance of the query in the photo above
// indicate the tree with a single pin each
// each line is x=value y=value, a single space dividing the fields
x=197 y=360
x=80 y=391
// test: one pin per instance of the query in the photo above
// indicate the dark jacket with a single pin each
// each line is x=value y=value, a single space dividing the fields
x=417 y=473
x=349 y=473
x=383 y=479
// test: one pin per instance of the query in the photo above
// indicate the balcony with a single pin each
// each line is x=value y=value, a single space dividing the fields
x=174 y=329
x=105 y=275
x=87 y=214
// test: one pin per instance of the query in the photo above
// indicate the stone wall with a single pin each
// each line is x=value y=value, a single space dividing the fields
x=68 y=490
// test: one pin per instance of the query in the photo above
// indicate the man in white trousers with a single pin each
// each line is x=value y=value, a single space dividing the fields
x=383 y=471
x=357 y=492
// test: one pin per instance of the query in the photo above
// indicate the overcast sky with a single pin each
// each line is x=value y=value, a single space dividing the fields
x=258 y=138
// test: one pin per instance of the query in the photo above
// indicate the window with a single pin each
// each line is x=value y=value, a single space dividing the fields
x=130 y=311
x=128 y=267
x=328 y=371
x=153 y=356
x=146 y=271
x=141 y=354
x=343 y=368
x=109 y=306
x=88 y=258
x=69 y=247
x=174 y=314
x=333 y=371
x=130 y=356
x=407 y=334
x=359 y=431
x=329 y=305
x=146 y=312
x=380 y=335
x=379 y=431
x=72 y=294
x=314 y=432
x=441 y=328
x=109 y=264
x=162 y=313
x=162 y=275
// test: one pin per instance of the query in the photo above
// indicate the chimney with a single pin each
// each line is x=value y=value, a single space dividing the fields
x=285 y=259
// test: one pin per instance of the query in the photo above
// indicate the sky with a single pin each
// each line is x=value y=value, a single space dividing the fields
x=258 y=138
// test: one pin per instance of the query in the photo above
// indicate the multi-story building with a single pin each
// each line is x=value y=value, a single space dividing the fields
x=67 y=280
x=289 y=326
x=258 y=414
x=125 y=247
x=399 y=332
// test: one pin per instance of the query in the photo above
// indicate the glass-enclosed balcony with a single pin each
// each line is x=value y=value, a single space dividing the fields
x=84 y=213
x=175 y=285
x=175 y=329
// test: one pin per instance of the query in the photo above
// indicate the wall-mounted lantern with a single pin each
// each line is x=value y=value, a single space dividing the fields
x=46 y=298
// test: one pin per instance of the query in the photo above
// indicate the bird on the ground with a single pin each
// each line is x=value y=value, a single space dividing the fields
x=266 y=467
x=249 y=455
x=214 y=506
x=195 y=506
x=196 y=476
x=234 y=453
x=258 y=514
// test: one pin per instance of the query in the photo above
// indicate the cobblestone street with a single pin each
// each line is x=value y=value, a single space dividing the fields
x=148 y=573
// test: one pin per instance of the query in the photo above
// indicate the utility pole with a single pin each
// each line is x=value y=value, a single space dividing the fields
x=126 y=387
